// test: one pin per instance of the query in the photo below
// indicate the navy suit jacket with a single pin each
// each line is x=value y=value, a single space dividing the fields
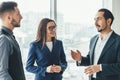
x=44 y=58
x=109 y=58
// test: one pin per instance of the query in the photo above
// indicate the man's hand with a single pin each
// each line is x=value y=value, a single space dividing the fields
x=76 y=55
x=92 y=69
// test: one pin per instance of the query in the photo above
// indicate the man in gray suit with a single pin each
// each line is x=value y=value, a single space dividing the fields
x=11 y=67
x=103 y=59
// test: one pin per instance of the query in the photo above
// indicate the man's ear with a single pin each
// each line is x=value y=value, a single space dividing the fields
x=9 y=18
x=109 y=21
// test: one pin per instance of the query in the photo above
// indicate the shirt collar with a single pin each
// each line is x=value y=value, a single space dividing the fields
x=107 y=36
x=7 y=30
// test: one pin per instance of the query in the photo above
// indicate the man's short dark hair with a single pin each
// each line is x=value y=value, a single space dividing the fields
x=107 y=14
x=7 y=7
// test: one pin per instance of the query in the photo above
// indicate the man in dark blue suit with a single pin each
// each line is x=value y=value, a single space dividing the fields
x=103 y=59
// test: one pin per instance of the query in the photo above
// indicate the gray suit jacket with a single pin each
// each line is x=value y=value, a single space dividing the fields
x=109 y=58
x=11 y=67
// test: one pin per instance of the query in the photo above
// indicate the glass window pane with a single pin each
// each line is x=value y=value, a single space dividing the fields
x=75 y=20
x=33 y=12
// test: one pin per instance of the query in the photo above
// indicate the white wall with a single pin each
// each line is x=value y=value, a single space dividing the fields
x=116 y=12
x=114 y=6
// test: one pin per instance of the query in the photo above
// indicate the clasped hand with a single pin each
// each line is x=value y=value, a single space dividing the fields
x=53 y=69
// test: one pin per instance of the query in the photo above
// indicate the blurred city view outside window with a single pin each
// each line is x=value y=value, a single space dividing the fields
x=75 y=20
x=75 y=27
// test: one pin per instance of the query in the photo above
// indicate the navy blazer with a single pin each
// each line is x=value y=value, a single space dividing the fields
x=44 y=58
x=109 y=58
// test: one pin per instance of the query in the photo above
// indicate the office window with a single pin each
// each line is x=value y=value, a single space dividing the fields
x=75 y=27
x=75 y=20
x=33 y=11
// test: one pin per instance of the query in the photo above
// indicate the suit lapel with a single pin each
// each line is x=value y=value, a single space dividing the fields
x=107 y=45
x=54 y=46
x=48 y=52
x=46 y=47
x=93 y=48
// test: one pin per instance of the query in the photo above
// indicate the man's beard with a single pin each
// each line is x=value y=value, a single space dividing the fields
x=15 y=23
x=102 y=29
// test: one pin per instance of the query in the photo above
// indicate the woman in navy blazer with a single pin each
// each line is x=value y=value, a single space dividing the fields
x=47 y=52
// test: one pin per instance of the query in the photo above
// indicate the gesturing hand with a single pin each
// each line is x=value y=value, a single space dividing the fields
x=76 y=55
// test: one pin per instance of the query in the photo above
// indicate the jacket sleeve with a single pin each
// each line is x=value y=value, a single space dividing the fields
x=30 y=65
x=84 y=62
x=5 y=50
x=63 y=62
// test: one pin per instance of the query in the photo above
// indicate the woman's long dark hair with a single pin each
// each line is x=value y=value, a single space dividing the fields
x=41 y=32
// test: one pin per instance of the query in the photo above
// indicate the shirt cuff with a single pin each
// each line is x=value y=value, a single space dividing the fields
x=100 y=67
x=79 y=62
